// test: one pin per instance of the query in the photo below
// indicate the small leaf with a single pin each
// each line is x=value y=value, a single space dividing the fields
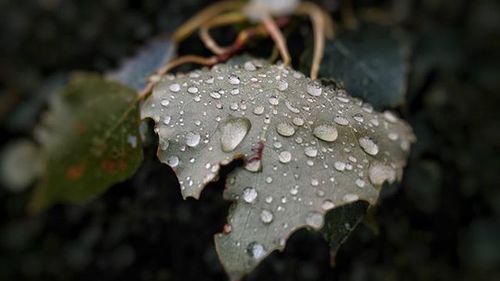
x=134 y=71
x=90 y=140
x=371 y=63
x=307 y=149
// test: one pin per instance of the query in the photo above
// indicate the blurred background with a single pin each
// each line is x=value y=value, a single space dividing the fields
x=441 y=223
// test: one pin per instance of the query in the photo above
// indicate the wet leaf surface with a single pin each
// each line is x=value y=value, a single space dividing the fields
x=307 y=149
x=371 y=63
x=89 y=140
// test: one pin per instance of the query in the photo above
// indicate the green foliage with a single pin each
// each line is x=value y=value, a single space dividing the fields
x=90 y=140
x=371 y=63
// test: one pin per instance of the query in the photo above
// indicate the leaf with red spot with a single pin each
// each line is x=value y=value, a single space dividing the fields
x=90 y=140
x=308 y=150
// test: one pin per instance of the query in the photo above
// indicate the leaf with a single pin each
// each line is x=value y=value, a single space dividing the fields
x=307 y=149
x=89 y=140
x=340 y=222
x=371 y=63
x=134 y=71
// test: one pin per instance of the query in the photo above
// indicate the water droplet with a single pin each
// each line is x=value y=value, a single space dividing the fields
x=266 y=216
x=215 y=95
x=285 y=129
x=249 y=195
x=393 y=136
x=360 y=183
x=311 y=151
x=339 y=166
x=314 y=182
x=165 y=102
x=256 y=250
x=389 y=116
x=249 y=66
x=233 y=79
x=174 y=88
x=269 y=180
x=314 y=219
x=235 y=92
x=285 y=156
x=291 y=107
x=269 y=199
x=297 y=121
x=282 y=85
x=192 y=139
x=368 y=145
x=274 y=101
x=173 y=161
x=379 y=173
x=358 y=117
x=327 y=205
x=234 y=131
x=258 y=110
x=253 y=166
x=314 y=89
x=341 y=120
x=192 y=90
x=326 y=132
x=350 y=197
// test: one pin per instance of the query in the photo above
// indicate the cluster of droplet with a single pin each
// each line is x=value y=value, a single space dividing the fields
x=321 y=147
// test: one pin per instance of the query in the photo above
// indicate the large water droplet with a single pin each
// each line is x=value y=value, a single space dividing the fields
x=192 y=139
x=350 y=197
x=285 y=156
x=379 y=173
x=297 y=121
x=368 y=145
x=173 y=161
x=311 y=151
x=314 y=88
x=314 y=219
x=326 y=132
x=258 y=110
x=341 y=120
x=233 y=79
x=234 y=130
x=256 y=250
x=215 y=95
x=282 y=85
x=192 y=90
x=249 y=194
x=266 y=216
x=175 y=88
x=327 y=205
x=285 y=129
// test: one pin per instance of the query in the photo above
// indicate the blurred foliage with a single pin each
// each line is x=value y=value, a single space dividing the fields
x=442 y=223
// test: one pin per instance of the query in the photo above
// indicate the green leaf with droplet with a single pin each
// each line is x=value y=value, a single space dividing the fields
x=371 y=63
x=89 y=140
x=307 y=149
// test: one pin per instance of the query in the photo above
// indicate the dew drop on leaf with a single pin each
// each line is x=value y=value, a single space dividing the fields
x=285 y=129
x=249 y=194
x=326 y=132
x=266 y=216
x=314 y=219
x=368 y=145
x=234 y=131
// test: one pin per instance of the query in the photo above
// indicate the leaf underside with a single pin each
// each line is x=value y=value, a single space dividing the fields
x=307 y=149
x=89 y=139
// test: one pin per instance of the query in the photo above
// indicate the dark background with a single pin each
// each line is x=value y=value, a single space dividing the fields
x=441 y=223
